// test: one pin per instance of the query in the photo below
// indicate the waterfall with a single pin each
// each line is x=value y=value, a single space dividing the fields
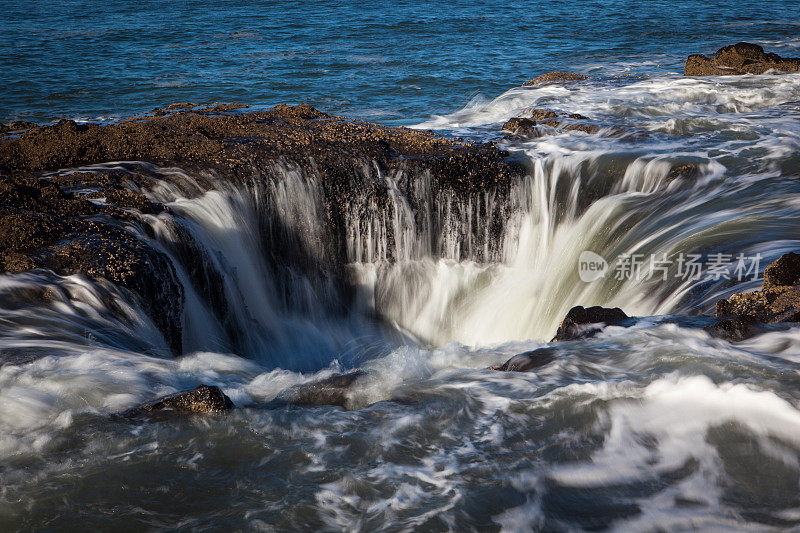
x=277 y=269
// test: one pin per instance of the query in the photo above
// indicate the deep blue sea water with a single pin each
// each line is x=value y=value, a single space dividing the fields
x=390 y=62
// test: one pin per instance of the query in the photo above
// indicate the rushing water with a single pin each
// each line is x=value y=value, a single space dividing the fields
x=653 y=427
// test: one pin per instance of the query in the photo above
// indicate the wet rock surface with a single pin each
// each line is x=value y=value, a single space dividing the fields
x=201 y=399
x=334 y=390
x=78 y=221
x=556 y=77
x=777 y=301
x=541 y=122
x=527 y=361
x=530 y=126
x=581 y=322
x=737 y=328
x=739 y=59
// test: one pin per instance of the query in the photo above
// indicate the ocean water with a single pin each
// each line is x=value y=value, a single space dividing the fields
x=654 y=427
x=392 y=63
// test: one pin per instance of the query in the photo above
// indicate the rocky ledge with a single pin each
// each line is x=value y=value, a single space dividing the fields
x=777 y=301
x=79 y=221
x=739 y=59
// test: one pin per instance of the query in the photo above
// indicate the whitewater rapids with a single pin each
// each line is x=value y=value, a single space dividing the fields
x=654 y=426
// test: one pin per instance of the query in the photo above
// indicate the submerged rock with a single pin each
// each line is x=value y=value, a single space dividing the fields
x=527 y=361
x=201 y=399
x=556 y=77
x=334 y=390
x=777 y=301
x=583 y=322
x=535 y=123
x=529 y=127
x=739 y=59
x=737 y=329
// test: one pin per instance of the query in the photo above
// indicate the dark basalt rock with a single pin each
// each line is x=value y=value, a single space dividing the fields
x=739 y=59
x=180 y=105
x=783 y=272
x=556 y=77
x=201 y=399
x=581 y=322
x=683 y=171
x=20 y=125
x=526 y=127
x=41 y=226
x=334 y=390
x=777 y=301
x=700 y=65
x=527 y=361
x=737 y=329
x=531 y=124
x=48 y=221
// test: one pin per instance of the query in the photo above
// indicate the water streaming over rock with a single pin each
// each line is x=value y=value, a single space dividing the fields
x=424 y=286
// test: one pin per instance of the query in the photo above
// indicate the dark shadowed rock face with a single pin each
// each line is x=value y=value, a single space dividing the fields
x=584 y=322
x=42 y=226
x=777 y=301
x=201 y=399
x=556 y=77
x=47 y=220
x=527 y=361
x=17 y=125
x=736 y=329
x=334 y=390
x=739 y=59
x=783 y=272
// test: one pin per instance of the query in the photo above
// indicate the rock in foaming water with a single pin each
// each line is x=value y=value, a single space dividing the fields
x=201 y=399
x=556 y=77
x=527 y=361
x=739 y=59
x=777 y=301
x=334 y=390
x=581 y=322
x=737 y=328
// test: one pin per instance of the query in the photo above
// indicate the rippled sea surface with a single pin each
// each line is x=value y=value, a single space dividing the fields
x=655 y=427
x=389 y=62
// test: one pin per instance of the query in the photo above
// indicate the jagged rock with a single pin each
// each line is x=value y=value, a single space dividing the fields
x=201 y=399
x=556 y=77
x=777 y=301
x=334 y=390
x=739 y=59
x=527 y=361
x=48 y=221
x=41 y=226
x=783 y=272
x=683 y=171
x=527 y=127
x=21 y=125
x=521 y=126
x=700 y=65
x=531 y=124
x=736 y=329
x=180 y=105
x=582 y=322
x=541 y=114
